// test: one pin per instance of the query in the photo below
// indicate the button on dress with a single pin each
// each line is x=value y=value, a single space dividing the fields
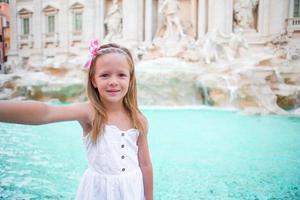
x=113 y=171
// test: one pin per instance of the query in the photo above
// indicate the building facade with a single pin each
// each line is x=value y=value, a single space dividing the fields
x=60 y=29
x=4 y=30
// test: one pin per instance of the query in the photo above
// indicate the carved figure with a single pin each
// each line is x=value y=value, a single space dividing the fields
x=113 y=21
x=171 y=25
x=244 y=13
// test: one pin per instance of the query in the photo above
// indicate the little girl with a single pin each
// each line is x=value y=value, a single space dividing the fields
x=114 y=129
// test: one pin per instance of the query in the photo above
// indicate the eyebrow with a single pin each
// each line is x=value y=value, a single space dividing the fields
x=118 y=71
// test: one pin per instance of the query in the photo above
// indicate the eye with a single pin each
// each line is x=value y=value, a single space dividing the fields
x=104 y=75
x=123 y=75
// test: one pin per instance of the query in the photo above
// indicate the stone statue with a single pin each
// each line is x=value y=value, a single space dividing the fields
x=113 y=22
x=218 y=46
x=244 y=13
x=235 y=44
x=171 y=25
x=213 y=49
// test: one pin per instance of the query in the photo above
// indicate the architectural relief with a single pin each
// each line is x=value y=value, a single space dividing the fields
x=219 y=46
x=25 y=37
x=245 y=14
x=171 y=27
x=216 y=46
x=170 y=31
x=77 y=10
x=51 y=34
x=61 y=29
x=113 y=22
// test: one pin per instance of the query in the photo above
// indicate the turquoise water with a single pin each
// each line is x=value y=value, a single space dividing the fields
x=196 y=154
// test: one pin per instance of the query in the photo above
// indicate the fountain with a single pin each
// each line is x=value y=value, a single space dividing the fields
x=218 y=69
x=227 y=73
x=255 y=79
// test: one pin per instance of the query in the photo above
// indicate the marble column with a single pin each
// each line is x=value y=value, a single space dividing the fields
x=99 y=20
x=228 y=16
x=155 y=17
x=194 y=17
x=148 y=20
x=263 y=17
x=89 y=27
x=130 y=20
x=202 y=18
x=141 y=20
x=278 y=15
x=220 y=15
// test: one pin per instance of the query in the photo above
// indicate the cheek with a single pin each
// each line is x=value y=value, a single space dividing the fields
x=127 y=82
x=94 y=82
x=98 y=84
x=127 y=85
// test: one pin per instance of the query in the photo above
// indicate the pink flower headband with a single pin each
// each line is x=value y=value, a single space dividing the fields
x=94 y=46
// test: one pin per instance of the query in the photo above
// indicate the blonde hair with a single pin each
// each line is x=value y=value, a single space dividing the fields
x=130 y=99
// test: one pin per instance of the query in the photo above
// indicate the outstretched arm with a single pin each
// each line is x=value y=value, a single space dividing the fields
x=35 y=112
x=145 y=164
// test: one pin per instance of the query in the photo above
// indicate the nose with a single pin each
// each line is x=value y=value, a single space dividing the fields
x=113 y=81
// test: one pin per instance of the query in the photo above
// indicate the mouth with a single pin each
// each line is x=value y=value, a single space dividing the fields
x=112 y=92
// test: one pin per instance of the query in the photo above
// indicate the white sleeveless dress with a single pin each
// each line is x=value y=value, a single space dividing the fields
x=113 y=171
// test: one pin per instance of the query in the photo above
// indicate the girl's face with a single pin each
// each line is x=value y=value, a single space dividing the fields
x=112 y=76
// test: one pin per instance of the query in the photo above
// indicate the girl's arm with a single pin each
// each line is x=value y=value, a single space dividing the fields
x=35 y=112
x=145 y=164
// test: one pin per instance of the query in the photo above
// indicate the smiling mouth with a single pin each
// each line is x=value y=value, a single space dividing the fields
x=113 y=91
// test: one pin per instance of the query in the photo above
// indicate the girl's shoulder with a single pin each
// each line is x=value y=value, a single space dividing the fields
x=144 y=121
x=83 y=112
x=87 y=109
x=142 y=117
